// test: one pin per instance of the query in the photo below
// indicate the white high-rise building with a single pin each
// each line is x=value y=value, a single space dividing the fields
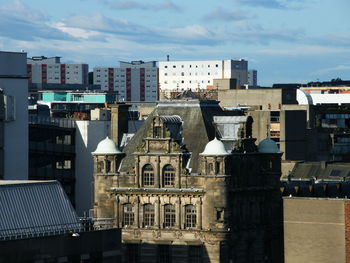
x=134 y=81
x=184 y=75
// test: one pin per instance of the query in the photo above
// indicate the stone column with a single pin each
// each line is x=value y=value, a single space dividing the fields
x=138 y=172
x=157 y=213
x=116 y=211
x=178 y=174
x=137 y=209
x=178 y=212
x=158 y=174
x=120 y=212
x=199 y=213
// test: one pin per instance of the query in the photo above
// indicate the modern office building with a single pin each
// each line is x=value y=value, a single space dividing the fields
x=134 y=81
x=52 y=151
x=51 y=71
x=195 y=75
x=252 y=78
x=72 y=103
x=14 y=84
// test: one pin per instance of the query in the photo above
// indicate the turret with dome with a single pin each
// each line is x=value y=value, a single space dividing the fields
x=106 y=156
x=268 y=146
x=213 y=158
x=107 y=147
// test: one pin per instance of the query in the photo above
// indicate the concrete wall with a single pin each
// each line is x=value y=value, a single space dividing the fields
x=269 y=99
x=261 y=122
x=88 y=135
x=314 y=230
x=14 y=83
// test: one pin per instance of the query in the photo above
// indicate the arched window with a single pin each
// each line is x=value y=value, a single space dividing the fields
x=128 y=215
x=169 y=215
x=148 y=215
x=168 y=176
x=190 y=216
x=148 y=175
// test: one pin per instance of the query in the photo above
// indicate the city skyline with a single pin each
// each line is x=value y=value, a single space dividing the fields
x=286 y=41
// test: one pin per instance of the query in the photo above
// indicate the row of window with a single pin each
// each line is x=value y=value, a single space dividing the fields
x=169 y=215
x=168 y=176
x=123 y=76
x=190 y=74
x=122 y=70
x=196 y=66
x=190 y=81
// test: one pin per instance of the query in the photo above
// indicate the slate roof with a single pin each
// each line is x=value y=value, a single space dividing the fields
x=198 y=127
x=36 y=208
x=321 y=171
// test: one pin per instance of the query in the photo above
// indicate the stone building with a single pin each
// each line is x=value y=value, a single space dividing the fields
x=180 y=196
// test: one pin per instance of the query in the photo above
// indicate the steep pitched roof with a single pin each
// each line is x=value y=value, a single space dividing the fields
x=198 y=127
x=321 y=171
x=35 y=208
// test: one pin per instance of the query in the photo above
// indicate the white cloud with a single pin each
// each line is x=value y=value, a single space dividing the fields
x=302 y=50
x=19 y=21
x=334 y=69
x=221 y=14
x=142 y=5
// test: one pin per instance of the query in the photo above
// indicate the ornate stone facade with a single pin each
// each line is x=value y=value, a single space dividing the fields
x=226 y=210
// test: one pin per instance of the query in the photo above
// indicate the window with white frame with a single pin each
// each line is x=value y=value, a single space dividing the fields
x=128 y=215
x=169 y=215
x=190 y=216
x=148 y=215
x=148 y=175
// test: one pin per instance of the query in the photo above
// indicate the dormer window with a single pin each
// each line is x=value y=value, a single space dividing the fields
x=157 y=132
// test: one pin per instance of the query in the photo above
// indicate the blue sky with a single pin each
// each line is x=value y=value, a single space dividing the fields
x=287 y=41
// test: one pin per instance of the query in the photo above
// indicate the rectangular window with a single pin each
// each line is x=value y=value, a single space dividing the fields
x=157 y=132
x=169 y=216
x=128 y=218
x=335 y=173
x=190 y=216
x=148 y=214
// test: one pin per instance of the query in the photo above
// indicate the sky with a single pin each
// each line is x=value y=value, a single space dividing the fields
x=286 y=41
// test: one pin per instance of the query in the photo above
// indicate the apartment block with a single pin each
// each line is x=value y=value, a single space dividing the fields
x=50 y=70
x=134 y=81
x=195 y=75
